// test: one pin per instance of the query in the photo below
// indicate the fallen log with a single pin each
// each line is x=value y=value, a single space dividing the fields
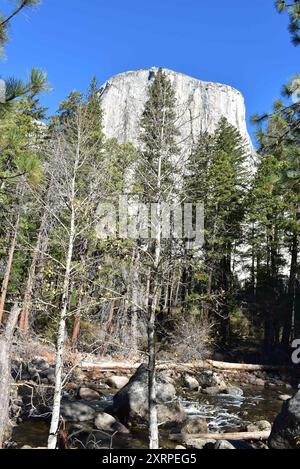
x=201 y=365
x=243 y=436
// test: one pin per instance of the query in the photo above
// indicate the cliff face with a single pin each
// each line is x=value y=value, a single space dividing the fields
x=200 y=106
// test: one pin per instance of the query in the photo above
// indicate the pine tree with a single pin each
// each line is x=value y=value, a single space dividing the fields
x=218 y=178
x=293 y=9
x=156 y=176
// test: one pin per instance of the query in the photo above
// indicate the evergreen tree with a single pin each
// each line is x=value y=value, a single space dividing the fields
x=219 y=180
x=293 y=9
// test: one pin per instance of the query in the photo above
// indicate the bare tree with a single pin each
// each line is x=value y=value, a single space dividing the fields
x=5 y=370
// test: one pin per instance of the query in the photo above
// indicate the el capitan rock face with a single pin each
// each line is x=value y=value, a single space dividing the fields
x=200 y=106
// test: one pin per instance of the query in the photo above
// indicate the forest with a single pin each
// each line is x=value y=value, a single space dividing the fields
x=77 y=298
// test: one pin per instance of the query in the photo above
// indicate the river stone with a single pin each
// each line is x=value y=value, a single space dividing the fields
x=130 y=404
x=117 y=382
x=197 y=443
x=212 y=391
x=224 y=445
x=210 y=379
x=88 y=394
x=191 y=383
x=194 y=425
x=108 y=423
x=286 y=429
x=76 y=411
x=233 y=391
x=261 y=426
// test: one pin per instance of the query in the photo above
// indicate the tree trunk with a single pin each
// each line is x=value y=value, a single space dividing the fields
x=9 y=265
x=54 y=428
x=288 y=330
x=5 y=370
x=153 y=419
x=38 y=251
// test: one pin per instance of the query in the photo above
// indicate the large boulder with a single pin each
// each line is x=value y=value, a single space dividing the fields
x=286 y=429
x=131 y=403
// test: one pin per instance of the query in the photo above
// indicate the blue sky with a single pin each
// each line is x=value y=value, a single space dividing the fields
x=237 y=42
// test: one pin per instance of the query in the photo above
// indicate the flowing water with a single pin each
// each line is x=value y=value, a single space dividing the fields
x=223 y=413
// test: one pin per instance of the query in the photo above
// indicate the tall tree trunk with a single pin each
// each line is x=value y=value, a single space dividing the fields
x=288 y=331
x=153 y=418
x=9 y=265
x=38 y=252
x=5 y=370
x=53 y=434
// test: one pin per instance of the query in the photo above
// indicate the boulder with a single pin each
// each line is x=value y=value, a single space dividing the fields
x=261 y=426
x=212 y=391
x=286 y=429
x=194 y=425
x=197 y=443
x=224 y=445
x=49 y=375
x=210 y=379
x=130 y=404
x=107 y=423
x=191 y=383
x=76 y=411
x=88 y=394
x=234 y=391
x=117 y=382
x=38 y=365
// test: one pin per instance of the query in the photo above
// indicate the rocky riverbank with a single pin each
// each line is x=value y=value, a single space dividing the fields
x=109 y=409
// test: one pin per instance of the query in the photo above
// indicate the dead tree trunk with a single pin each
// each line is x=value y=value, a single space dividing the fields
x=5 y=370
x=9 y=265
x=38 y=253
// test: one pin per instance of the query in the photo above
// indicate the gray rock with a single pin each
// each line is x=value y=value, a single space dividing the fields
x=194 y=425
x=261 y=426
x=224 y=445
x=130 y=404
x=38 y=364
x=88 y=394
x=108 y=423
x=117 y=382
x=49 y=375
x=286 y=429
x=210 y=379
x=234 y=391
x=77 y=411
x=191 y=383
x=196 y=443
x=213 y=391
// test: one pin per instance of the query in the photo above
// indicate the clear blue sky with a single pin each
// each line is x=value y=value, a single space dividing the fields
x=243 y=43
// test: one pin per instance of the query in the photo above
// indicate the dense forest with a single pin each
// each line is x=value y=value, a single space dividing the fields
x=154 y=297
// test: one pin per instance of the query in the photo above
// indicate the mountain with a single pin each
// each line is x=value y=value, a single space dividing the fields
x=200 y=105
